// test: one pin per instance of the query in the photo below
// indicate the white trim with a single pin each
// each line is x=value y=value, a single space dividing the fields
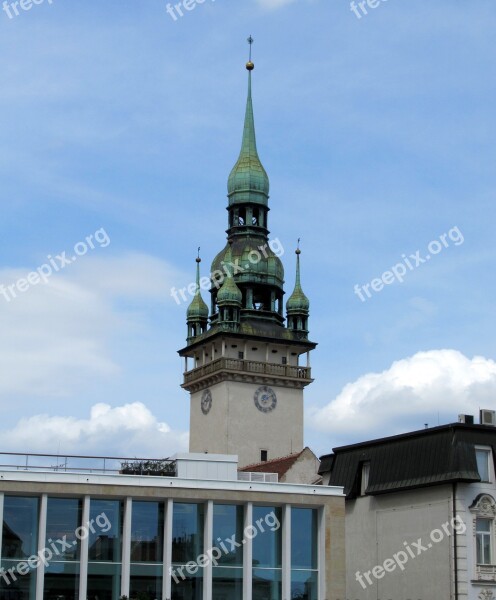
x=167 y=581
x=170 y=482
x=83 y=550
x=322 y=559
x=286 y=551
x=42 y=525
x=207 y=544
x=126 y=547
x=248 y=554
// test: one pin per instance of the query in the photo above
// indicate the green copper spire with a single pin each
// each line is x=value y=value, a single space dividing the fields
x=298 y=303
x=229 y=293
x=248 y=181
x=197 y=310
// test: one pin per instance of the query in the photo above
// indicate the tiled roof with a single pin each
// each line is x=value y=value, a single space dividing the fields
x=279 y=465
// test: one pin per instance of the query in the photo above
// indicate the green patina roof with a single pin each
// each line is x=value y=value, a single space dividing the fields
x=197 y=309
x=229 y=293
x=297 y=302
x=248 y=181
x=248 y=263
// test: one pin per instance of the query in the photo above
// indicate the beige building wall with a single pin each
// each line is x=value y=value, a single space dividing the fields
x=234 y=425
x=379 y=528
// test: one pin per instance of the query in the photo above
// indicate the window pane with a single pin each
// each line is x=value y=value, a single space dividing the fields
x=62 y=582
x=63 y=518
x=304 y=585
x=480 y=550
x=267 y=584
x=147 y=532
x=187 y=532
x=146 y=582
x=483 y=464
x=487 y=549
x=227 y=584
x=227 y=526
x=104 y=581
x=189 y=588
x=304 y=538
x=267 y=541
x=483 y=525
x=23 y=587
x=20 y=527
x=105 y=533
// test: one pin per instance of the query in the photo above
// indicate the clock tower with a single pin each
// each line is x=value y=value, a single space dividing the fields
x=246 y=366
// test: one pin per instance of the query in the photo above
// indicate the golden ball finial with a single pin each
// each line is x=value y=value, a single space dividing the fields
x=250 y=66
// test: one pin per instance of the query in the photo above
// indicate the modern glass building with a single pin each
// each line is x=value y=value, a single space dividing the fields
x=199 y=535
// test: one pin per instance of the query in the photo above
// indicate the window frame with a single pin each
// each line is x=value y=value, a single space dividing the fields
x=483 y=535
x=487 y=451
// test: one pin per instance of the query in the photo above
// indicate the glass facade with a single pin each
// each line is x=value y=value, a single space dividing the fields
x=267 y=552
x=104 y=532
x=147 y=550
x=228 y=539
x=19 y=543
x=64 y=516
x=105 y=549
x=304 y=554
x=187 y=546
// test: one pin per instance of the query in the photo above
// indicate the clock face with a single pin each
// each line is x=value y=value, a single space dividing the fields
x=206 y=402
x=265 y=399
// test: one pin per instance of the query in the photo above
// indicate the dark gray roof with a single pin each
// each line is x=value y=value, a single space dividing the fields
x=421 y=458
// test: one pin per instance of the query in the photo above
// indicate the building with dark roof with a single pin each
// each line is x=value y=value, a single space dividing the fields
x=420 y=513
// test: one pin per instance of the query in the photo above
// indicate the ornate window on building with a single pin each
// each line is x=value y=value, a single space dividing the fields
x=484 y=511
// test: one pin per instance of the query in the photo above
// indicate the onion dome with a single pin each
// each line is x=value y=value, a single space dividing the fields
x=197 y=310
x=298 y=303
x=229 y=293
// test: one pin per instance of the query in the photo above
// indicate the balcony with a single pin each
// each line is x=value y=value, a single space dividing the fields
x=485 y=573
x=240 y=366
x=100 y=465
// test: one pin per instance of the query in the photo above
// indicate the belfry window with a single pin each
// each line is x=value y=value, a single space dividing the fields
x=255 y=220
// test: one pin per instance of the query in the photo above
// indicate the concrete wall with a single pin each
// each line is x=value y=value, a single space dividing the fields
x=380 y=527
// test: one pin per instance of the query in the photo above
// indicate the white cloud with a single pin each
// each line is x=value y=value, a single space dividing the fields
x=129 y=430
x=57 y=335
x=413 y=391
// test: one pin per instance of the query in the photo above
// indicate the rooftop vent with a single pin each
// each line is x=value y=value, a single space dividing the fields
x=468 y=419
x=488 y=417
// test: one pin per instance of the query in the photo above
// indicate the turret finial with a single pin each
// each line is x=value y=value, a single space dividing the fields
x=249 y=65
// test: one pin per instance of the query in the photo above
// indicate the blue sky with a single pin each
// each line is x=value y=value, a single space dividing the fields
x=378 y=137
